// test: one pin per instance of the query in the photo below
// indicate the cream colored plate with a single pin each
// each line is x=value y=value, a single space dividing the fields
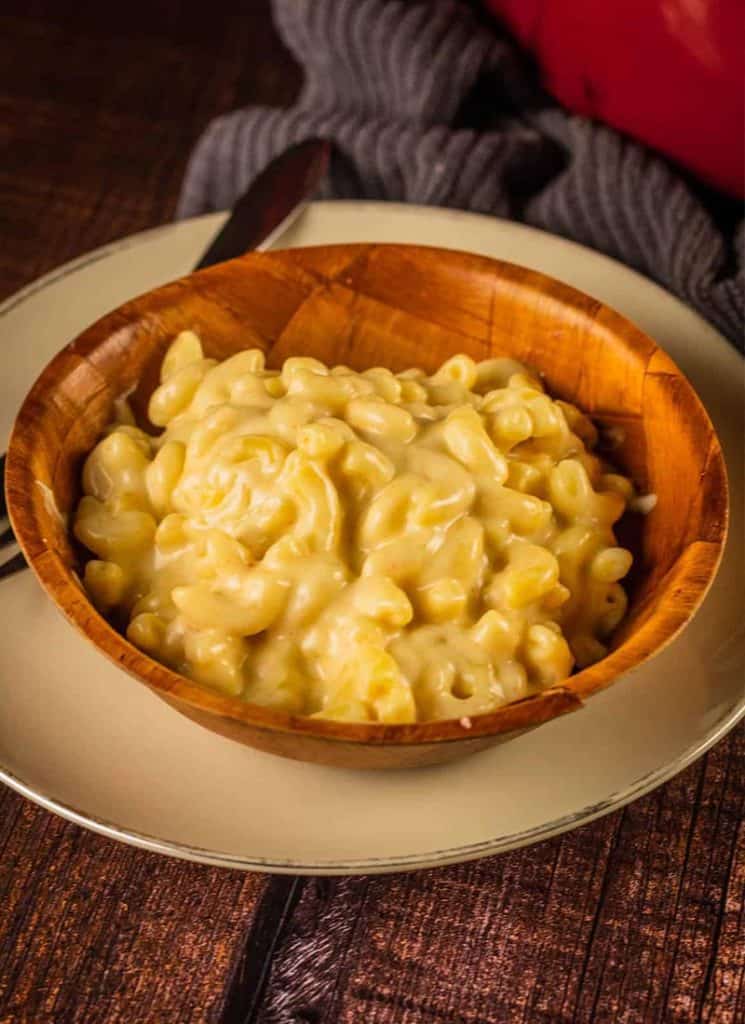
x=86 y=741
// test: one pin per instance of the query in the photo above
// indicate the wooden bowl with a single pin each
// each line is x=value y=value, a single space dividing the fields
x=399 y=306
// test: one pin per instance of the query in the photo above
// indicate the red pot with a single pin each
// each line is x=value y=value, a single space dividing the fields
x=668 y=72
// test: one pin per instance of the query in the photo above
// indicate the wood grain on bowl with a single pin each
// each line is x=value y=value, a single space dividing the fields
x=397 y=306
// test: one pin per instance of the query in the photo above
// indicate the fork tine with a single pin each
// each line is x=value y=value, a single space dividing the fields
x=12 y=566
x=3 y=506
x=7 y=537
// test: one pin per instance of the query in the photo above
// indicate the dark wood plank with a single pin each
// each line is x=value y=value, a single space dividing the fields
x=93 y=931
x=99 y=110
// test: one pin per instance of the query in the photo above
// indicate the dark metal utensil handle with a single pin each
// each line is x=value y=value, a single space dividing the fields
x=276 y=195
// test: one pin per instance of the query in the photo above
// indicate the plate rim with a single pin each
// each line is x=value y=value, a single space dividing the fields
x=380 y=865
x=369 y=865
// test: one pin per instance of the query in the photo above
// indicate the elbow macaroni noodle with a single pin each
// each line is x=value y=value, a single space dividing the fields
x=371 y=547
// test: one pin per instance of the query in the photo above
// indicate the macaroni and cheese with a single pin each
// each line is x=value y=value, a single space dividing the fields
x=370 y=547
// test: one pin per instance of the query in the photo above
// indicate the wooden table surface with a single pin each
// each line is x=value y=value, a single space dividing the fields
x=637 y=917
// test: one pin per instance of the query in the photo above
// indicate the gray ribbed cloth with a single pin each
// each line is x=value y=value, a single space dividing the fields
x=429 y=104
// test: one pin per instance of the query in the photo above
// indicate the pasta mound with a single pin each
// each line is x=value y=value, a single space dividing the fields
x=371 y=547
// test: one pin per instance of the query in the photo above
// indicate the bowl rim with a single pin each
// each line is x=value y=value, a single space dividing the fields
x=65 y=588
